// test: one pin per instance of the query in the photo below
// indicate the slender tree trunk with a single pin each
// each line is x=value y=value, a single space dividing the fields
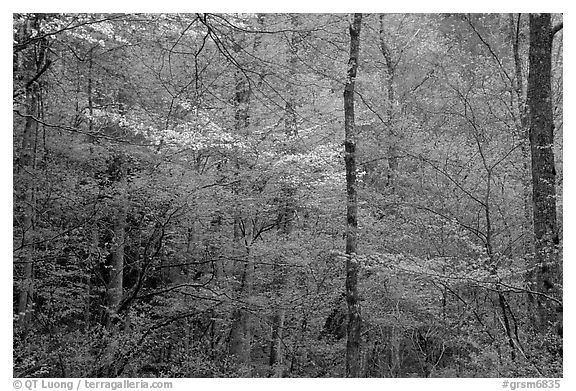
x=115 y=285
x=546 y=240
x=522 y=120
x=290 y=121
x=286 y=223
x=26 y=164
x=120 y=173
x=93 y=260
x=279 y=283
x=522 y=129
x=240 y=333
x=286 y=215
x=389 y=106
x=90 y=92
x=115 y=292
x=35 y=64
x=95 y=231
x=354 y=319
x=276 y=351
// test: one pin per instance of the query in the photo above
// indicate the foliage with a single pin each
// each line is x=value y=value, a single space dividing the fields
x=220 y=138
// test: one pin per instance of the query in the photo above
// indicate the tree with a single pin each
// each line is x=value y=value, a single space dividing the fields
x=179 y=193
x=547 y=269
x=521 y=120
x=32 y=62
x=388 y=87
x=352 y=265
x=115 y=291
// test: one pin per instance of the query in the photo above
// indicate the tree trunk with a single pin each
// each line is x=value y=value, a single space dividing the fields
x=35 y=64
x=285 y=225
x=546 y=240
x=240 y=333
x=522 y=131
x=354 y=320
x=26 y=164
x=93 y=260
x=389 y=107
x=521 y=120
x=276 y=353
x=291 y=119
x=115 y=284
x=279 y=282
x=90 y=92
x=287 y=212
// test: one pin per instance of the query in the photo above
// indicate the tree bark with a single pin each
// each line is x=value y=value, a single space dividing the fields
x=115 y=284
x=389 y=106
x=26 y=164
x=522 y=120
x=34 y=65
x=93 y=259
x=90 y=92
x=546 y=240
x=290 y=121
x=354 y=319
x=286 y=212
x=240 y=333
x=281 y=279
x=276 y=353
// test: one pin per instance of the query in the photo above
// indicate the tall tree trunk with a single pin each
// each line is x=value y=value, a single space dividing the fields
x=95 y=230
x=287 y=212
x=115 y=292
x=278 y=285
x=115 y=284
x=240 y=333
x=522 y=121
x=90 y=92
x=93 y=259
x=276 y=351
x=546 y=240
x=26 y=164
x=34 y=64
x=389 y=106
x=281 y=279
x=291 y=119
x=354 y=319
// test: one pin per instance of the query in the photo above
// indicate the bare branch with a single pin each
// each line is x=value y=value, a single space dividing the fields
x=557 y=28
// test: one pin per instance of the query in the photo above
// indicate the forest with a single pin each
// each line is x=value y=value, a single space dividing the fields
x=287 y=195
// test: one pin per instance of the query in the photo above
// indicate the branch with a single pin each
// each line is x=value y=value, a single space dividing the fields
x=557 y=28
x=428 y=76
x=373 y=110
x=517 y=289
x=58 y=235
x=79 y=131
x=44 y=69
x=260 y=31
x=492 y=53
x=486 y=330
x=21 y=46
x=479 y=283
x=481 y=235
x=174 y=287
x=458 y=185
